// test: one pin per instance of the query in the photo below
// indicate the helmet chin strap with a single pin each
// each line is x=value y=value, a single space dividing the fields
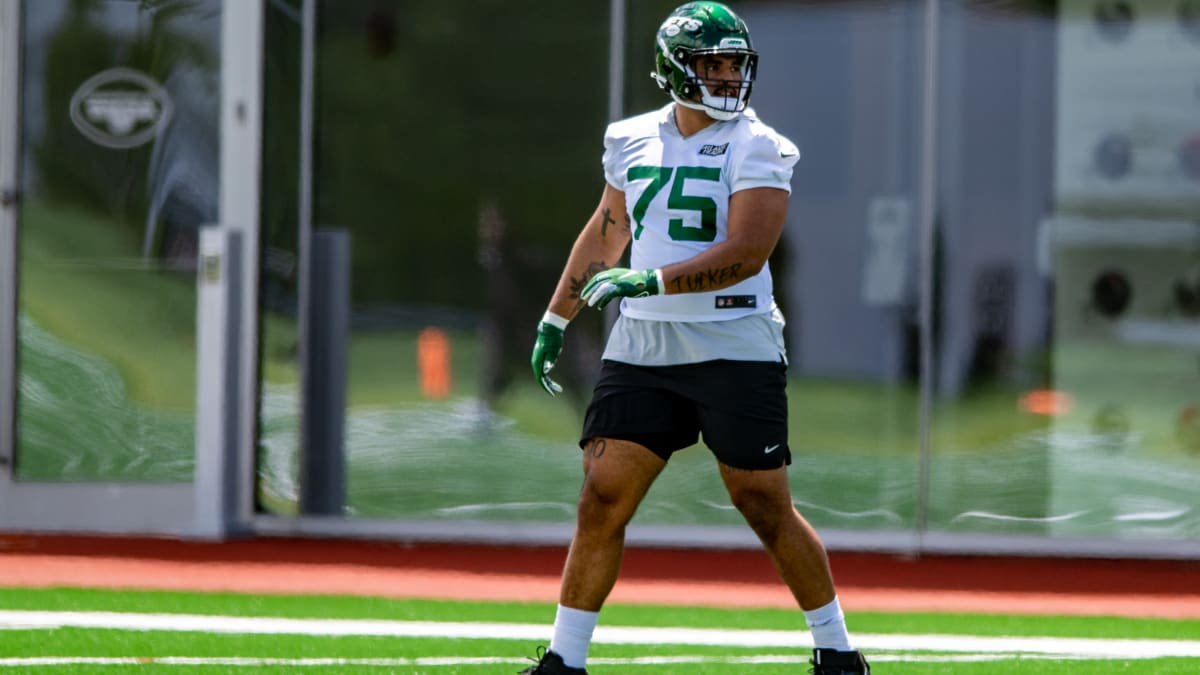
x=716 y=114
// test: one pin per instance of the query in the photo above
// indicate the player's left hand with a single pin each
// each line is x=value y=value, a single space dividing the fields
x=619 y=282
x=545 y=354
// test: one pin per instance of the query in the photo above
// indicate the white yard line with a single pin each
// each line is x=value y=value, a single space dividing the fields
x=975 y=647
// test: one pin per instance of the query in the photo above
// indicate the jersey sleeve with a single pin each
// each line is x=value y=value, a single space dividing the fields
x=767 y=161
x=613 y=144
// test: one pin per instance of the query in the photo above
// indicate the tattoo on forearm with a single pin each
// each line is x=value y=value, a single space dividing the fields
x=607 y=219
x=595 y=448
x=577 y=283
x=705 y=280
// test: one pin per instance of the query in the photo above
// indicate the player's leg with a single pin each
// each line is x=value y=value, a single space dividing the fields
x=743 y=415
x=764 y=500
x=631 y=428
x=617 y=474
x=744 y=421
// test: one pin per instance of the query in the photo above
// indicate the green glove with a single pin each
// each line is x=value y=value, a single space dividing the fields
x=620 y=282
x=545 y=352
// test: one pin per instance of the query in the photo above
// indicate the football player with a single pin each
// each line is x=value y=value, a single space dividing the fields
x=698 y=190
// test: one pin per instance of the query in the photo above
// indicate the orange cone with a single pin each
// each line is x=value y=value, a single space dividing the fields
x=433 y=362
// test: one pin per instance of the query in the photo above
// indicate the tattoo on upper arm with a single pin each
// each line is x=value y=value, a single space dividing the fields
x=705 y=280
x=624 y=224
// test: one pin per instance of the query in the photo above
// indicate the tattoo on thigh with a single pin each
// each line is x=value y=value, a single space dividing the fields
x=595 y=448
x=725 y=468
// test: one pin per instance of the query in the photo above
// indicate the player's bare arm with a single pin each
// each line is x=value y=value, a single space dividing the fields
x=756 y=218
x=598 y=247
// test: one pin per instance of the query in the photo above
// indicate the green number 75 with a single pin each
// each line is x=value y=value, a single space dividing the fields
x=677 y=230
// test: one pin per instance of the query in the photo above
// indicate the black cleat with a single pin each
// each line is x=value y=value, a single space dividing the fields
x=833 y=662
x=552 y=664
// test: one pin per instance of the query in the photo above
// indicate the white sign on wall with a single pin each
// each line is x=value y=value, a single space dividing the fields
x=889 y=231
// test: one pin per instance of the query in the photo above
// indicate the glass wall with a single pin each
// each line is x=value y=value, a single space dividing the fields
x=279 y=281
x=119 y=171
x=1068 y=382
x=1018 y=357
x=458 y=148
x=843 y=81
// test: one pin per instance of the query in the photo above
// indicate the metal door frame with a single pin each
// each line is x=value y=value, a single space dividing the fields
x=10 y=69
x=219 y=499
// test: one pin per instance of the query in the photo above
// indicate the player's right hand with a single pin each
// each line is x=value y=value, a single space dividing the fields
x=619 y=282
x=545 y=354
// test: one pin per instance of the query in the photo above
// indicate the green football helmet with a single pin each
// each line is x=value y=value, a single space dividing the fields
x=695 y=29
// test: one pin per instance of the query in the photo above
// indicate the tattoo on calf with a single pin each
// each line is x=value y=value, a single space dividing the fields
x=706 y=280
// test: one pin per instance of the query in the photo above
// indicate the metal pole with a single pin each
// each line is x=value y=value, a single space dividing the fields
x=324 y=317
x=305 y=348
x=616 y=60
x=219 y=405
x=928 y=229
x=242 y=32
x=616 y=97
x=323 y=463
x=10 y=162
x=304 y=199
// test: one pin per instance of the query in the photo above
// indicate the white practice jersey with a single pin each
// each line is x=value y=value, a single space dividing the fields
x=677 y=193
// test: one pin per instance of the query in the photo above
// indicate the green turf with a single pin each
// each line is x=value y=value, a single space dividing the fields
x=149 y=644
x=348 y=607
x=74 y=642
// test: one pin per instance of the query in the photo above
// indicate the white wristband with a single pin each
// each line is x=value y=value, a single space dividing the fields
x=555 y=320
x=662 y=285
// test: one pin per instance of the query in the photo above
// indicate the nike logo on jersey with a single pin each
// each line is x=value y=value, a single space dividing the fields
x=771 y=448
x=714 y=150
x=785 y=155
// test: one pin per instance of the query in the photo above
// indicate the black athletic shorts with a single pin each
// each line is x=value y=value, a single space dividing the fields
x=740 y=408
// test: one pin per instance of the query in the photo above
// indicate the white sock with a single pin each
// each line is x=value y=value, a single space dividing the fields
x=573 y=635
x=828 y=626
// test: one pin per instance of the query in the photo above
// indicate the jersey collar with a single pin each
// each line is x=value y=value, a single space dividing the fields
x=666 y=120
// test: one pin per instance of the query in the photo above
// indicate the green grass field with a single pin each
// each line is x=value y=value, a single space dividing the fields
x=100 y=631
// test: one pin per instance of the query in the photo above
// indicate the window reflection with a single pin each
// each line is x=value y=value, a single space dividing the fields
x=1063 y=254
x=1070 y=178
x=118 y=107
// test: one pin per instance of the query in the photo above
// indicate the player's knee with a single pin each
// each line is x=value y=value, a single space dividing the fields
x=604 y=503
x=762 y=509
